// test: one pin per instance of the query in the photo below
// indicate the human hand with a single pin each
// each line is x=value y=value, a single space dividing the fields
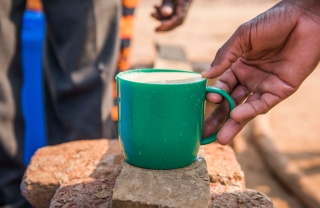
x=171 y=13
x=264 y=62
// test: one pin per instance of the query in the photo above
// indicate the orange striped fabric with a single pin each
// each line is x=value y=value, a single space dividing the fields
x=126 y=27
x=130 y=3
x=34 y=5
x=126 y=32
x=123 y=62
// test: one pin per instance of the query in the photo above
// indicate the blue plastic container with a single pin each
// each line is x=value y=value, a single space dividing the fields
x=32 y=36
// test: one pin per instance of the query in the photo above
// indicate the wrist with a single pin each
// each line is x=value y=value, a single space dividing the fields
x=310 y=7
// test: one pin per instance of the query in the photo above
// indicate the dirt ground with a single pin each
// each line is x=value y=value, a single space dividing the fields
x=295 y=121
x=296 y=130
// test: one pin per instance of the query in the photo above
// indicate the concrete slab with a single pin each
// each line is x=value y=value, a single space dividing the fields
x=184 y=187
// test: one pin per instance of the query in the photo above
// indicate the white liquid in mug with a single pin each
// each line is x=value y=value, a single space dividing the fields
x=162 y=77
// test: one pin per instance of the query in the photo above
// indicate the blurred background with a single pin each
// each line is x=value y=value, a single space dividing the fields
x=286 y=167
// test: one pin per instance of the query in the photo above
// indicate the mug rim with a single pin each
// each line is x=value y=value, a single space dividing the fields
x=118 y=76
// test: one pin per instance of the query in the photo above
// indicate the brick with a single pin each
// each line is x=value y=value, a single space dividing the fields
x=223 y=166
x=236 y=197
x=53 y=166
x=83 y=173
x=84 y=193
x=227 y=181
x=183 y=187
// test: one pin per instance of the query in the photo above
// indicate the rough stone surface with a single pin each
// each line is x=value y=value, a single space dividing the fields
x=236 y=197
x=227 y=182
x=53 y=166
x=183 y=187
x=85 y=193
x=83 y=174
x=223 y=166
x=217 y=188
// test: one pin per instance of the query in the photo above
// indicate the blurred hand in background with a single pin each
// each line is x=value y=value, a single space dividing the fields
x=171 y=14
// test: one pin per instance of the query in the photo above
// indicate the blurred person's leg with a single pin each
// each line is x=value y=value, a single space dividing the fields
x=126 y=34
x=11 y=122
x=80 y=56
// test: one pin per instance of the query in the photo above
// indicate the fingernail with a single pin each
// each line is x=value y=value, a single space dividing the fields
x=209 y=68
x=204 y=73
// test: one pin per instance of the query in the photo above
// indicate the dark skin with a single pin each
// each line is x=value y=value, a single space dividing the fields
x=264 y=62
x=171 y=21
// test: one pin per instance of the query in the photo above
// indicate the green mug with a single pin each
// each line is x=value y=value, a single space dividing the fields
x=160 y=124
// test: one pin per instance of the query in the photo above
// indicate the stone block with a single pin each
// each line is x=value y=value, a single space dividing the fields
x=227 y=183
x=236 y=197
x=83 y=174
x=183 y=187
x=52 y=166
x=86 y=193
x=223 y=166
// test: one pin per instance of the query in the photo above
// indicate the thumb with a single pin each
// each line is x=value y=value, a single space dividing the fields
x=167 y=9
x=237 y=45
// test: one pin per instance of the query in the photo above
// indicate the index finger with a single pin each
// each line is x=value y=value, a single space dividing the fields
x=170 y=24
x=230 y=52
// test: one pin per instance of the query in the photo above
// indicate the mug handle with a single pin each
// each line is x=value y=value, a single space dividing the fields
x=225 y=95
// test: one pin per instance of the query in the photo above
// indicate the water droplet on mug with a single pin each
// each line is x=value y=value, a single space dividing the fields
x=140 y=153
x=199 y=159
